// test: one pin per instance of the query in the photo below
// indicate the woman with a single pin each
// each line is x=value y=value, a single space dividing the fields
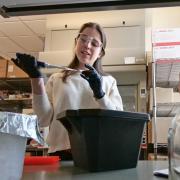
x=87 y=88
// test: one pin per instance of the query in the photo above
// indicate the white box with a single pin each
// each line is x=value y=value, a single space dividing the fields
x=129 y=60
x=140 y=60
x=12 y=151
x=176 y=97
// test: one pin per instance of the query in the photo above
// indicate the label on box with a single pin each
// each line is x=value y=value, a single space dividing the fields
x=166 y=44
x=129 y=60
x=10 y=68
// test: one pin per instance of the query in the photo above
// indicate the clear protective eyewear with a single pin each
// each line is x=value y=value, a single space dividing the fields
x=86 y=39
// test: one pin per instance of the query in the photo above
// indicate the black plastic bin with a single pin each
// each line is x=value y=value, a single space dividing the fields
x=104 y=140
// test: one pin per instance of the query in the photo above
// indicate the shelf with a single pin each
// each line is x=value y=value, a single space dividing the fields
x=18 y=103
x=124 y=67
x=167 y=74
x=167 y=109
x=37 y=151
x=20 y=84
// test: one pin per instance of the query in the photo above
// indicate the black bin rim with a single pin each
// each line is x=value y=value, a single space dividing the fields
x=103 y=113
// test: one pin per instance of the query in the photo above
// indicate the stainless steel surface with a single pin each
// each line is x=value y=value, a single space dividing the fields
x=154 y=118
x=170 y=151
x=66 y=171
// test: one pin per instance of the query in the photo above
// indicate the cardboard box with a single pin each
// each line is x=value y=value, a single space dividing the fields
x=162 y=124
x=15 y=72
x=27 y=111
x=159 y=157
x=3 y=68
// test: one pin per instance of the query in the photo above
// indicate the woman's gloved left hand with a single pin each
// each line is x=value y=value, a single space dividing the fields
x=95 y=81
x=28 y=64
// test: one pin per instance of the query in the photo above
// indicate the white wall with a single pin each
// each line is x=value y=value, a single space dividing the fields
x=105 y=18
x=166 y=17
x=122 y=40
x=150 y=18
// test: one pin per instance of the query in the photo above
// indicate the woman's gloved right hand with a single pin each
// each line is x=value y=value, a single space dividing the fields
x=28 y=64
x=95 y=81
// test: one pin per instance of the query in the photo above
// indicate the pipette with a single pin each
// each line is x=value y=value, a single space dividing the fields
x=46 y=65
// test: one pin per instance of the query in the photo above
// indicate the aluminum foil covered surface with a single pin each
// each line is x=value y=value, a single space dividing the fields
x=21 y=124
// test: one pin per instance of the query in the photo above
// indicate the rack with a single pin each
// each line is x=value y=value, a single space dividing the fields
x=21 y=84
x=167 y=74
x=22 y=103
x=14 y=85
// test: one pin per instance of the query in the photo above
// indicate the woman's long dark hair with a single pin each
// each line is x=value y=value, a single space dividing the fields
x=97 y=64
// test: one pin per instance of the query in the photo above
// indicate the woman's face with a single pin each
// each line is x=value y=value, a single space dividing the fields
x=88 y=46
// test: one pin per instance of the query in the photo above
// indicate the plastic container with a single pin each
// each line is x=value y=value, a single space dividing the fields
x=41 y=160
x=104 y=140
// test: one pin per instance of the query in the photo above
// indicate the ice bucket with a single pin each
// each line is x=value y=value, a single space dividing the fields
x=104 y=140
x=15 y=128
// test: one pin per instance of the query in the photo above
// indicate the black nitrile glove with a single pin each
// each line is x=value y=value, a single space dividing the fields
x=95 y=81
x=28 y=64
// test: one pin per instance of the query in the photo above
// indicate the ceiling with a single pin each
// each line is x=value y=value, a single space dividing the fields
x=27 y=33
x=22 y=34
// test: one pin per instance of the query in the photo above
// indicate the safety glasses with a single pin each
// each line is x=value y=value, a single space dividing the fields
x=86 y=39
